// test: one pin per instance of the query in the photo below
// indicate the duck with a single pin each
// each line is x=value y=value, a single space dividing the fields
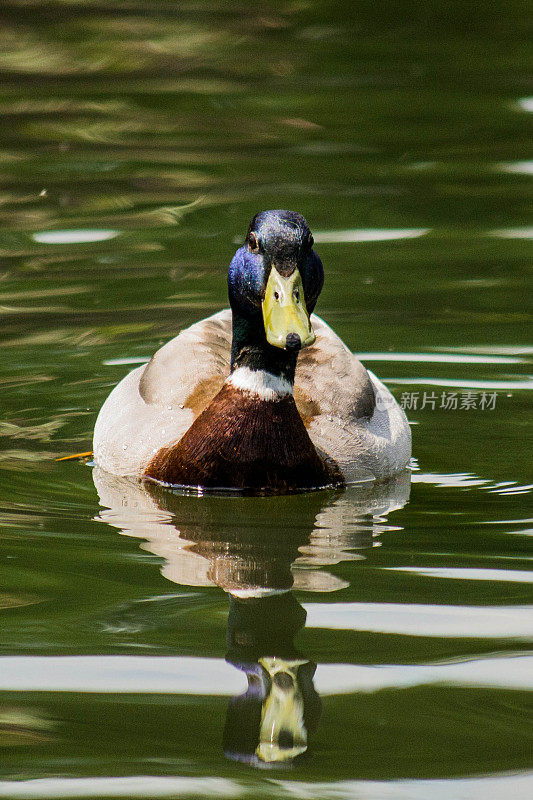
x=260 y=397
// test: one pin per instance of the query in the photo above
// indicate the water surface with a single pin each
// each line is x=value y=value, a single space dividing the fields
x=142 y=631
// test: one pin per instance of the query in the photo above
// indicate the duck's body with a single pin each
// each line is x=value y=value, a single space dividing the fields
x=227 y=404
x=347 y=412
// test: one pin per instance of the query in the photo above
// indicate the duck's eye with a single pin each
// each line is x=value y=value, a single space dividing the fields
x=253 y=244
x=297 y=295
x=276 y=295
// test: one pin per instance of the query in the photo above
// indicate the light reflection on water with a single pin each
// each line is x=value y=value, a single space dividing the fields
x=520 y=167
x=463 y=573
x=205 y=676
x=74 y=237
x=503 y=622
x=465 y=383
x=368 y=235
x=480 y=788
x=514 y=233
x=526 y=103
x=441 y=358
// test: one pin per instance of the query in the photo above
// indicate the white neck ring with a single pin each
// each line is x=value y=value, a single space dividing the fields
x=262 y=384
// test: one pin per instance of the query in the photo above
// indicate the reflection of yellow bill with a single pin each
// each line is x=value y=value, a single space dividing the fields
x=284 y=310
x=282 y=713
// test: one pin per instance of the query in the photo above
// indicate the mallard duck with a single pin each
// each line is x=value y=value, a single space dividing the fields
x=261 y=396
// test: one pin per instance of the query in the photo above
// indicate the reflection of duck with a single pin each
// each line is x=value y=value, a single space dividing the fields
x=270 y=723
x=181 y=420
x=256 y=549
x=251 y=546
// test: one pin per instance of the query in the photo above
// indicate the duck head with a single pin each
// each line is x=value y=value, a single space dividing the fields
x=274 y=281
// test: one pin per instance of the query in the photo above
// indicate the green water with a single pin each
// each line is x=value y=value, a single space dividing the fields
x=401 y=131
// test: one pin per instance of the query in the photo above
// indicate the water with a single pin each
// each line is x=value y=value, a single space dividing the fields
x=135 y=144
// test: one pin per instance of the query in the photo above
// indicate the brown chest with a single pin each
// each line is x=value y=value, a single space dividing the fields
x=241 y=441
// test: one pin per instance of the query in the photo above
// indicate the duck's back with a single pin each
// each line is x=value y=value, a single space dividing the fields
x=156 y=403
x=349 y=414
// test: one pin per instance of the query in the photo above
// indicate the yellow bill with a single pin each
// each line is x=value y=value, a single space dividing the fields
x=284 y=310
